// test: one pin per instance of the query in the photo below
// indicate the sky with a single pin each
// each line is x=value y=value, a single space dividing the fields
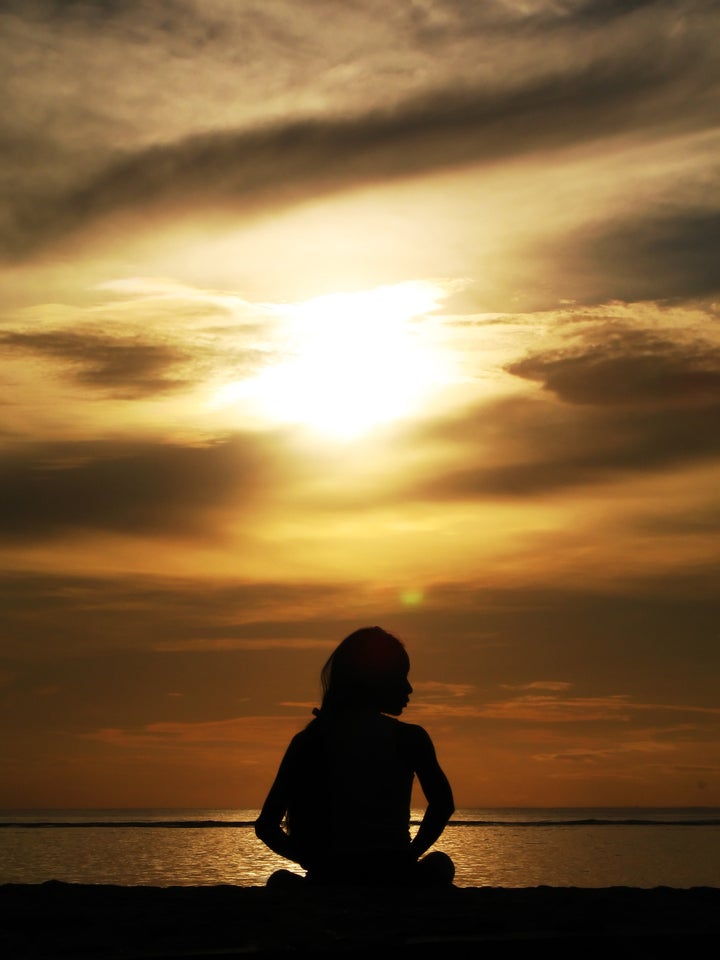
x=323 y=315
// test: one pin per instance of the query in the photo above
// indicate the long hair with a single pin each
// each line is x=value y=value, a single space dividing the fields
x=361 y=669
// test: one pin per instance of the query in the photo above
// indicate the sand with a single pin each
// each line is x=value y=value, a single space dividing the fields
x=53 y=920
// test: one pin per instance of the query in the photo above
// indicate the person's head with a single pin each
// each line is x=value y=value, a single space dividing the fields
x=368 y=669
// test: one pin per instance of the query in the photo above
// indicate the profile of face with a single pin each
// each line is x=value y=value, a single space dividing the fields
x=395 y=696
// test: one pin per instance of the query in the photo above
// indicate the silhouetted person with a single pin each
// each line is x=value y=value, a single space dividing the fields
x=340 y=803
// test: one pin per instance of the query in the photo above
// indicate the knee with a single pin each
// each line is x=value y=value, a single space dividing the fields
x=285 y=881
x=437 y=868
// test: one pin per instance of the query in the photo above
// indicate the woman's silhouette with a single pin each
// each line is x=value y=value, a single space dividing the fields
x=340 y=803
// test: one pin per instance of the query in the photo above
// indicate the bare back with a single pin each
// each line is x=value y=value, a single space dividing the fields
x=354 y=794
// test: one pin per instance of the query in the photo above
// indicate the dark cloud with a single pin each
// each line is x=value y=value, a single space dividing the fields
x=127 y=368
x=604 y=638
x=81 y=652
x=437 y=17
x=101 y=15
x=132 y=688
x=67 y=615
x=246 y=171
x=441 y=19
x=627 y=402
x=465 y=631
x=566 y=451
x=127 y=487
x=661 y=256
x=62 y=9
x=589 y=12
x=628 y=367
x=699 y=520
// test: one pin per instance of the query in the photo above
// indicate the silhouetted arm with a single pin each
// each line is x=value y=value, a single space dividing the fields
x=268 y=826
x=437 y=790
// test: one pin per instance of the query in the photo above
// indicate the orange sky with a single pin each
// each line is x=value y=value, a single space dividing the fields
x=316 y=316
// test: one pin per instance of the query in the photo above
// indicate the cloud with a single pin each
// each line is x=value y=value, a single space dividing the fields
x=630 y=367
x=206 y=644
x=555 y=449
x=557 y=531
x=434 y=689
x=585 y=12
x=619 y=400
x=660 y=255
x=244 y=171
x=146 y=338
x=128 y=487
x=125 y=367
x=236 y=733
x=46 y=614
x=538 y=709
x=549 y=709
x=700 y=519
x=602 y=754
x=113 y=650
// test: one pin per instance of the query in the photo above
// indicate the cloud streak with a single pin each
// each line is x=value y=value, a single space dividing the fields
x=254 y=170
x=126 y=368
x=126 y=486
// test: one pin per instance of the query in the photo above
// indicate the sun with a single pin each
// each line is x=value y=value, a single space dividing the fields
x=351 y=361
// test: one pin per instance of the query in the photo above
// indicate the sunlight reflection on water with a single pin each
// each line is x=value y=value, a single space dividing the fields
x=136 y=856
x=590 y=856
x=503 y=856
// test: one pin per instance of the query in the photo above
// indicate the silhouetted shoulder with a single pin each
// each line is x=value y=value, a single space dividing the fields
x=416 y=739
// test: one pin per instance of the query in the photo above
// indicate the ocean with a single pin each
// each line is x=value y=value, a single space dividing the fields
x=561 y=847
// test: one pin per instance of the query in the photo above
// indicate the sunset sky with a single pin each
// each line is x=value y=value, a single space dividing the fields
x=324 y=314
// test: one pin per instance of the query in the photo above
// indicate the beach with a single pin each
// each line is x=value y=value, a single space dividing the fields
x=55 y=919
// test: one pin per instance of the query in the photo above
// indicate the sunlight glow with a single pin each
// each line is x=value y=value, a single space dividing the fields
x=412 y=597
x=352 y=361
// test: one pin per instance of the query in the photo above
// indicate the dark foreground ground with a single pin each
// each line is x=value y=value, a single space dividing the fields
x=54 y=920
